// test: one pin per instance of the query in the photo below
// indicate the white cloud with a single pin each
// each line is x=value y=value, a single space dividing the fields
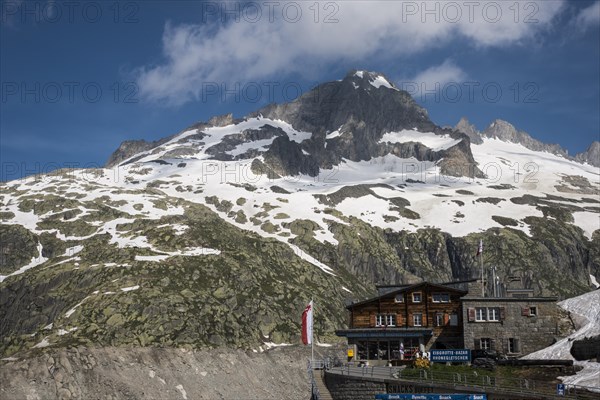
x=434 y=78
x=588 y=17
x=196 y=54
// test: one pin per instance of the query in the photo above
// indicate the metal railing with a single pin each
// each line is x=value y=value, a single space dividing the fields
x=482 y=382
x=316 y=365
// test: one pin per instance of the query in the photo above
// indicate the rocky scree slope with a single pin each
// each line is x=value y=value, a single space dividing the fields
x=159 y=374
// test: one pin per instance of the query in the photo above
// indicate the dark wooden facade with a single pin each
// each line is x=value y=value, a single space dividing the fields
x=397 y=323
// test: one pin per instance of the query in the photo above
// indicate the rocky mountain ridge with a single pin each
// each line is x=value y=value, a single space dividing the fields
x=218 y=236
x=591 y=155
x=346 y=120
x=507 y=132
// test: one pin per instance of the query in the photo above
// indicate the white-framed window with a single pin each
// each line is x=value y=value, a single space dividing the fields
x=416 y=296
x=439 y=319
x=513 y=345
x=441 y=298
x=533 y=311
x=399 y=298
x=485 y=343
x=385 y=320
x=493 y=314
x=418 y=319
x=390 y=319
x=480 y=314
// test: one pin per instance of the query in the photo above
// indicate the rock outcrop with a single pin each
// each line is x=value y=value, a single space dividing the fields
x=470 y=130
x=591 y=155
x=505 y=131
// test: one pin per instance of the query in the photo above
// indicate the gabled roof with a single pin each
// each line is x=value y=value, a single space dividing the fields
x=409 y=289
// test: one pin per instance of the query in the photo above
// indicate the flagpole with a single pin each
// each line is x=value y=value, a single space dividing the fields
x=480 y=253
x=482 y=279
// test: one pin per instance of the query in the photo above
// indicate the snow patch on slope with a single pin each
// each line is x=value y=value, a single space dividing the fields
x=215 y=135
x=303 y=255
x=201 y=251
x=587 y=221
x=588 y=306
x=381 y=81
x=428 y=139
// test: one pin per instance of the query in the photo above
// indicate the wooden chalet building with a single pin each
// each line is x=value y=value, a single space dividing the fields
x=403 y=320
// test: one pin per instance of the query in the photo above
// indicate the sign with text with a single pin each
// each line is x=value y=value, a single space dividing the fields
x=430 y=397
x=454 y=355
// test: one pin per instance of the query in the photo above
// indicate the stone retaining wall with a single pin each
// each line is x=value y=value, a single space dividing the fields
x=348 y=388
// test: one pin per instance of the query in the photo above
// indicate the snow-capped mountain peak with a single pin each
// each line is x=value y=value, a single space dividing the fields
x=333 y=192
x=368 y=80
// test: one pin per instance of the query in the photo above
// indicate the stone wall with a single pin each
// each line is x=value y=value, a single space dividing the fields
x=533 y=332
x=346 y=388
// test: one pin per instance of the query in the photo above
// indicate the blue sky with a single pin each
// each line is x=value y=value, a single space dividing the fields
x=80 y=77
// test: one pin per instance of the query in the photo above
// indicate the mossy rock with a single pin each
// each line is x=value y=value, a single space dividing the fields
x=505 y=221
x=390 y=218
x=6 y=215
x=269 y=227
x=240 y=217
x=491 y=200
x=278 y=189
x=18 y=247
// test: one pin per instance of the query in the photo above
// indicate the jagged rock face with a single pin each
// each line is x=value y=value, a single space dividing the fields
x=128 y=149
x=285 y=157
x=345 y=120
x=591 y=155
x=353 y=100
x=221 y=120
x=362 y=112
x=470 y=130
x=507 y=132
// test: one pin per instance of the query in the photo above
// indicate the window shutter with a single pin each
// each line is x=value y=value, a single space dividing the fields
x=505 y=346
x=477 y=344
x=502 y=313
x=517 y=346
x=471 y=312
x=525 y=311
x=446 y=319
x=492 y=344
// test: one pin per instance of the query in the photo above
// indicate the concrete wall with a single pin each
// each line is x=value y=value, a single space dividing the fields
x=533 y=332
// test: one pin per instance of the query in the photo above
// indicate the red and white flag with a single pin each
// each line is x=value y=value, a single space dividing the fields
x=307 y=324
x=480 y=248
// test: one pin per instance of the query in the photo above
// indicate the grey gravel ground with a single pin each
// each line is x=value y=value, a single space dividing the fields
x=156 y=373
